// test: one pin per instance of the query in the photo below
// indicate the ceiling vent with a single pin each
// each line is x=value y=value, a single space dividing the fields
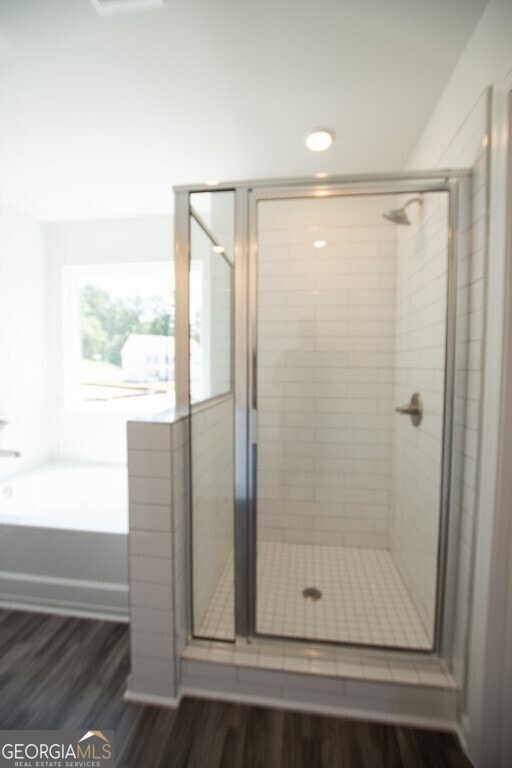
x=111 y=7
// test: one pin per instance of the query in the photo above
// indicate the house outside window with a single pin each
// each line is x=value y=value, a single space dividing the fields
x=119 y=334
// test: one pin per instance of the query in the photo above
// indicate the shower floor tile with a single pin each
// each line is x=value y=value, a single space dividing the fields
x=363 y=598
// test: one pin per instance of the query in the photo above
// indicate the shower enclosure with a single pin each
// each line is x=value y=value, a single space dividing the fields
x=319 y=322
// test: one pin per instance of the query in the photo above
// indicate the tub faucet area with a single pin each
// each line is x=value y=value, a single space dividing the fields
x=6 y=454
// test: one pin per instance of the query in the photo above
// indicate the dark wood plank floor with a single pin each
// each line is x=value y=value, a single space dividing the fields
x=71 y=673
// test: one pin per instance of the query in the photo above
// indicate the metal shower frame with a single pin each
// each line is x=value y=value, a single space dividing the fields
x=247 y=195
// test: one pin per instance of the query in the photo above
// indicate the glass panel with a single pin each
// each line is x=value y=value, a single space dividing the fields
x=211 y=371
x=210 y=317
x=351 y=323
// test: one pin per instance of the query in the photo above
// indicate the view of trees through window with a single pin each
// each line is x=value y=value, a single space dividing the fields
x=127 y=335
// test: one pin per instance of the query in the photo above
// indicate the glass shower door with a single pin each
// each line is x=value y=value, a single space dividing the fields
x=351 y=314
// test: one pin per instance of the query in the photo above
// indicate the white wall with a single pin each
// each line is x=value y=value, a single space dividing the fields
x=326 y=333
x=420 y=367
x=486 y=61
x=23 y=340
x=93 y=434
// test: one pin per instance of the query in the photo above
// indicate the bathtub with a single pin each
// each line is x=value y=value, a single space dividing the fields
x=64 y=540
x=74 y=497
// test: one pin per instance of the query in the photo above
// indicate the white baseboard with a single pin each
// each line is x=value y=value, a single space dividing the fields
x=67 y=581
x=64 y=596
x=58 y=609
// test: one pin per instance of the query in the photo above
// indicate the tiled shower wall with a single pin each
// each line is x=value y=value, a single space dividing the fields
x=326 y=322
x=212 y=499
x=420 y=366
x=468 y=148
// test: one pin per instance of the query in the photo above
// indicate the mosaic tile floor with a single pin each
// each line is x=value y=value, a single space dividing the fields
x=363 y=598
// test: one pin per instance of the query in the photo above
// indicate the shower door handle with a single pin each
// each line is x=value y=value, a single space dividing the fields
x=414 y=409
x=407 y=409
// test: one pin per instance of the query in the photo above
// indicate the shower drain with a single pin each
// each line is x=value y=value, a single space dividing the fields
x=311 y=594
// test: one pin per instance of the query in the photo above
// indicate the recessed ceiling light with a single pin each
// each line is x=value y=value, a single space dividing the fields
x=319 y=141
x=321 y=175
x=319 y=243
x=212 y=183
x=218 y=249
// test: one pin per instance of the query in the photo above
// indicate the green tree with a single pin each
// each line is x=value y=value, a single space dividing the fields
x=94 y=338
x=107 y=322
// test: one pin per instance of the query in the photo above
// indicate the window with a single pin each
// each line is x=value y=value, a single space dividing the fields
x=119 y=333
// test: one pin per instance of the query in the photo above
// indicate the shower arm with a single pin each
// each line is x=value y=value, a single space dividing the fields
x=418 y=199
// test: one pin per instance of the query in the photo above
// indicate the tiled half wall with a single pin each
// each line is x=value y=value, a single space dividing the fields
x=159 y=594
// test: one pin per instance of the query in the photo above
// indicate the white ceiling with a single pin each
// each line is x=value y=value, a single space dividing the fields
x=100 y=116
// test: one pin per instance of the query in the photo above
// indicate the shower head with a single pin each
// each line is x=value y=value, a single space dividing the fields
x=398 y=215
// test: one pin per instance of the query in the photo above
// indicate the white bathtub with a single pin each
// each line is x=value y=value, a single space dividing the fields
x=64 y=540
x=69 y=496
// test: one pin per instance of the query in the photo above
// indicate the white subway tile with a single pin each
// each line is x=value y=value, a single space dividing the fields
x=144 y=490
x=152 y=620
x=148 y=436
x=148 y=644
x=149 y=463
x=147 y=668
x=149 y=595
x=150 y=569
x=150 y=517
x=150 y=544
x=206 y=670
